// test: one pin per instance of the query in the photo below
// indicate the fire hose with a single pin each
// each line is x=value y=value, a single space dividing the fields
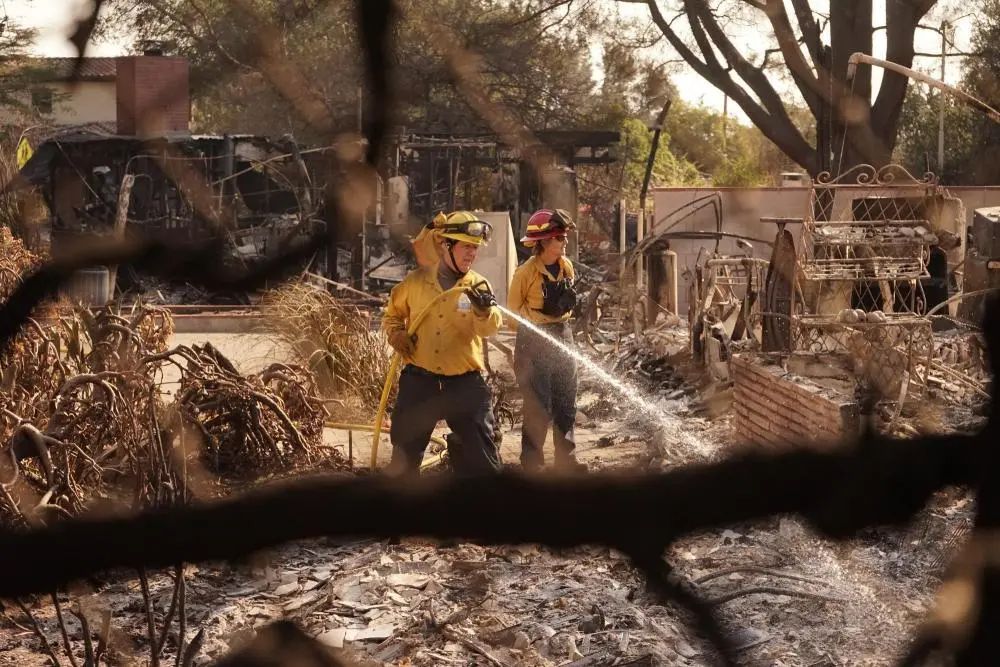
x=342 y=426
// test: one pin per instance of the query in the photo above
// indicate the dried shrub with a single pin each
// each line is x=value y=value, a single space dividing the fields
x=32 y=370
x=337 y=342
x=121 y=342
x=80 y=412
x=20 y=208
x=245 y=427
x=15 y=261
x=296 y=388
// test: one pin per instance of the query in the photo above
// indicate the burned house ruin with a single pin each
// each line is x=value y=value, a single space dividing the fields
x=261 y=190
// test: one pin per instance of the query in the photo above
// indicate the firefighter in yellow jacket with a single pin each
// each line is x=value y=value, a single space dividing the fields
x=542 y=292
x=442 y=378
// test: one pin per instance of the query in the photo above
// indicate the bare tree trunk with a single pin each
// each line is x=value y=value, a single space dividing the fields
x=851 y=31
x=824 y=123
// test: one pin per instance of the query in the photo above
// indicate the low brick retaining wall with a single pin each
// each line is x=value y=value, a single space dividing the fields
x=774 y=410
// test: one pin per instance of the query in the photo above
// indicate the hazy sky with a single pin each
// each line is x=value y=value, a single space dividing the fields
x=694 y=88
x=54 y=18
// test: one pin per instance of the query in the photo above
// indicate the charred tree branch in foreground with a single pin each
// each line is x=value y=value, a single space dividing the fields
x=669 y=587
x=880 y=481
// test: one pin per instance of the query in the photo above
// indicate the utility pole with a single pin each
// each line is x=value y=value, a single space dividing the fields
x=359 y=254
x=944 y=59
x=725 y=119
x=650 y=161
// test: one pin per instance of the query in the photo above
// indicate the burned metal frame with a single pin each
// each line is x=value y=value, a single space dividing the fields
x=263 y=186
x=433 y=161
x=862 y=226
x=863 y=248
x=726 y=306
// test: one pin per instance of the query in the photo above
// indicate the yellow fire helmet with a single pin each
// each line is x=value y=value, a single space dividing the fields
x=463 y=226
x=456 y=226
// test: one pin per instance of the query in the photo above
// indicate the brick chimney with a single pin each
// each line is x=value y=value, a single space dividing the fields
x=153 y=95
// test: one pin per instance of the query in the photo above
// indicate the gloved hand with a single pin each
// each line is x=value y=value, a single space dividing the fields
x=482 y=297
x=403 y=343
x=558 y=298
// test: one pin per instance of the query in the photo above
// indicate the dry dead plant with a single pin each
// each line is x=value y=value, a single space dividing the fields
x=83 y=421
x=246 y=428
x=20 y=209
x=15 y=261
x=79 y=412
x=501 y=385
x=296 y=388
x=87 y=427
x=349 y=358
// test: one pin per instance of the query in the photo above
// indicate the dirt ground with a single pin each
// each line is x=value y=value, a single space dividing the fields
x=787 y=596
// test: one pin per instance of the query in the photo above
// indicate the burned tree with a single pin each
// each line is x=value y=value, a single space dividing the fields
x=849 y=129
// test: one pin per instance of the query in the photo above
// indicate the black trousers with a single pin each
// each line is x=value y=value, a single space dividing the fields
x=464 y=401
x=547 y=378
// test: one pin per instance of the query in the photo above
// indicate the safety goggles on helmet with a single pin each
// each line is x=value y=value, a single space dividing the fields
x=475 y=228
x=547 y=224
x=561 y=219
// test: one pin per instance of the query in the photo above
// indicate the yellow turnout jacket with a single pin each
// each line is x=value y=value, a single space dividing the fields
x=450 y=337
x=525 y=294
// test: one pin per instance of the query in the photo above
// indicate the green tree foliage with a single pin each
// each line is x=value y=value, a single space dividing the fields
x=972 y=140
x=730 y=154
x=543 y=77
x=601 y=188
x=739 y=172
x=222 y=42
x=982 y=71
x=982 y=79
x=632 y=94
x=631 y=86
x=668 y=168
x=18 y=75
x=918 y=137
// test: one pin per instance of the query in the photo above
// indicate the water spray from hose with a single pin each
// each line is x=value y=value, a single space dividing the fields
x=635 y=396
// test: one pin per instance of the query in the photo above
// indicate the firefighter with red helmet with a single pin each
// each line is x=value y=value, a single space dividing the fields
x=442 y=378
x=542 y=292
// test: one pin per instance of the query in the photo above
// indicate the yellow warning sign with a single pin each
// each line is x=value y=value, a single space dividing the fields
x=24 y=152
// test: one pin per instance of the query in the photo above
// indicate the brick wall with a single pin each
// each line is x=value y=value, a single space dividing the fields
x=152 y=95
x=774 y=411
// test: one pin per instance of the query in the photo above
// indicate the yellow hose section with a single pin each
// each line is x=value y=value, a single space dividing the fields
x=341 y=426
x=390 y=377
x=429 y=462
x=432 y=461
